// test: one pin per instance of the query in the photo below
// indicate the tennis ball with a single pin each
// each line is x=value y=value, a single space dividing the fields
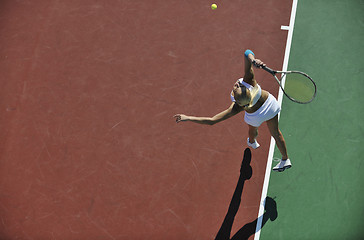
x=213 y=6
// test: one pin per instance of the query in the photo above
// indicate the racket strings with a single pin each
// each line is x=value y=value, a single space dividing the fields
x=299 y=87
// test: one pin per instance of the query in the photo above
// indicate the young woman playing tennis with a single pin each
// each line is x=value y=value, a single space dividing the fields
x=259 y=106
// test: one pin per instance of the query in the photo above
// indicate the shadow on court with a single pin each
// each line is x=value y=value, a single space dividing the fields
x=248 y=229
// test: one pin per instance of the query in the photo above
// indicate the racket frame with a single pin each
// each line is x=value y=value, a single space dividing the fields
x=283 y=75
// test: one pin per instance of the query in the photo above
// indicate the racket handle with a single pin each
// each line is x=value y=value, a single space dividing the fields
x=269 y=70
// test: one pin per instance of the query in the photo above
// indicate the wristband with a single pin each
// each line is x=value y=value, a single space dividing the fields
x=247 y=52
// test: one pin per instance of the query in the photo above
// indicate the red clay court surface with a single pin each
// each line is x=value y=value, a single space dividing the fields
x=89 y=148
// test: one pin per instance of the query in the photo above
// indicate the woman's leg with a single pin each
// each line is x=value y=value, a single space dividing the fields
x=277 y=135
x=253 y=133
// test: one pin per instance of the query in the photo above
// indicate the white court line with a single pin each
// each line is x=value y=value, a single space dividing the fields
x=272 y=141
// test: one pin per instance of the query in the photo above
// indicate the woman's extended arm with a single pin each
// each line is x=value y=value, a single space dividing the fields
x=231 y=111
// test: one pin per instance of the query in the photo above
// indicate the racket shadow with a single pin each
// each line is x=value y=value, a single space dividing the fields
x=248 y=229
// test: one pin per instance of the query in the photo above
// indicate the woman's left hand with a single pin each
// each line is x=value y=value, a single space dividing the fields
x=180 y=118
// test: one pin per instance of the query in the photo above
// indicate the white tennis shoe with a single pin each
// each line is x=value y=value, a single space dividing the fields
x=253 y=145
x=282 y=165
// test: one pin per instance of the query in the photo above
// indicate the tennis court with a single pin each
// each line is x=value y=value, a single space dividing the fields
x=321 y=196
x=89 y=147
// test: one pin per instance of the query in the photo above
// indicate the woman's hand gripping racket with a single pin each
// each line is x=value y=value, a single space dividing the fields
x=298 y=86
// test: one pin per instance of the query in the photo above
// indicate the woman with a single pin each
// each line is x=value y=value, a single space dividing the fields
x=259 y=106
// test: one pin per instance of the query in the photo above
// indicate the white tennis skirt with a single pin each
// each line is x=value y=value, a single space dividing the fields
x=267 y=111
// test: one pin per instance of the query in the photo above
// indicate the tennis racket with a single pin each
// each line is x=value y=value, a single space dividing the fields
x=298 y=86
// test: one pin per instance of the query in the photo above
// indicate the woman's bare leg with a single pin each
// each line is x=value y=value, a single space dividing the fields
x=253 y=133
x=277 y=135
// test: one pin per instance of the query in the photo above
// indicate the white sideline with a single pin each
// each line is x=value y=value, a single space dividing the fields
x=272 y=141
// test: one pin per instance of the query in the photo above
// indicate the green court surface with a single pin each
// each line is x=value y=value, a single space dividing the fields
x=322 y=195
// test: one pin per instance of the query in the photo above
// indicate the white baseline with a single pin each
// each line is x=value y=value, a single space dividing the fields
x=272 y=141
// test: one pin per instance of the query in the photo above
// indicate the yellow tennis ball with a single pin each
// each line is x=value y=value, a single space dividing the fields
x=213 y=6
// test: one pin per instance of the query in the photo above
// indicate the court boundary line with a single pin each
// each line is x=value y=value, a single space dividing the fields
x=272 y=141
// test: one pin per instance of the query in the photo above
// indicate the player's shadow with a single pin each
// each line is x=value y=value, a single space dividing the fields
x=250 y=228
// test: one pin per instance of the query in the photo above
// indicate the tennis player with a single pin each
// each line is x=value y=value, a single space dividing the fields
x=259 y=106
